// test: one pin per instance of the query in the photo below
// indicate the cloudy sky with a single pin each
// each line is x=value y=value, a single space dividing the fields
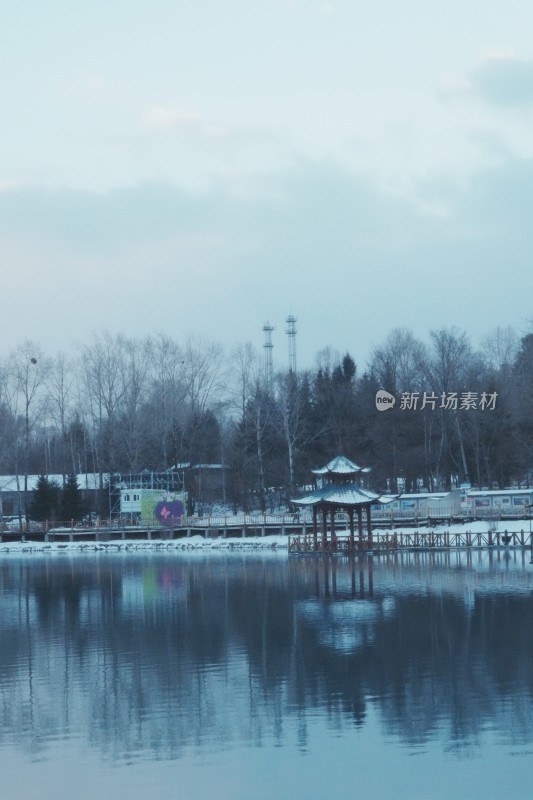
x=206 y=166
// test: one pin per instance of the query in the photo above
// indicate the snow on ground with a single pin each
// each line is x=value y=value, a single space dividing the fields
x=275 y=543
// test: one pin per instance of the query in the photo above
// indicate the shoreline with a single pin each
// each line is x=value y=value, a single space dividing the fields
x=273 y=544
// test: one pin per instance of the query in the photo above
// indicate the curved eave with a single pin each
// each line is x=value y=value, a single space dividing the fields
x=343 y=495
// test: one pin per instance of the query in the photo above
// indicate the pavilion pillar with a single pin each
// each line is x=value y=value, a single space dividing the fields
x=350 y=515
x=333 y=534
x=369 y=524
x=315 y=527
x=324 y=528
x=360 y=526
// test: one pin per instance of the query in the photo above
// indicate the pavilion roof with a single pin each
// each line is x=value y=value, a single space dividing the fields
x=340 y=465
x=347 y=494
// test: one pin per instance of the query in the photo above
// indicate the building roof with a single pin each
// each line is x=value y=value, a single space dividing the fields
x=498 y=492
x=340 y=465
x=86 y=480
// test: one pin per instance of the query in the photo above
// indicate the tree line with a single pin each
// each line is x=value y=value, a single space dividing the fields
x=123 y=405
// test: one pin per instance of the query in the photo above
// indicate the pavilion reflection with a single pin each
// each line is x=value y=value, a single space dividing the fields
x=147 y=657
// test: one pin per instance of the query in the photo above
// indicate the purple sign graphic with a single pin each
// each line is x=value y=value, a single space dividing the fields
x=169 y=512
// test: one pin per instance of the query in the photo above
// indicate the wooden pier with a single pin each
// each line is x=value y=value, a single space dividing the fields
x=386 y=542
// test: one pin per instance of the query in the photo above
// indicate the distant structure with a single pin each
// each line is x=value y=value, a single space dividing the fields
x=268 y=364
x=291 y=333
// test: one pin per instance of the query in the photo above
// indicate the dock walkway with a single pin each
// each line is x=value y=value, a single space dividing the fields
x=402 y=540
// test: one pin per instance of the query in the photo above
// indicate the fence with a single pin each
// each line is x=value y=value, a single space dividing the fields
x=307 y=543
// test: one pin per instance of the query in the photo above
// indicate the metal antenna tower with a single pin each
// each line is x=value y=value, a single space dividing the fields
x=268 y=366
x=291 y=333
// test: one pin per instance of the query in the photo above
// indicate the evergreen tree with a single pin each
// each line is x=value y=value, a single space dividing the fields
x=45 y=502
x=72 y=506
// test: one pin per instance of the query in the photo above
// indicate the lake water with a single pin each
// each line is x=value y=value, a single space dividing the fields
x=249 y=676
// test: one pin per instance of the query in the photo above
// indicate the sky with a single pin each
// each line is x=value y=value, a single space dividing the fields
x=204 y=167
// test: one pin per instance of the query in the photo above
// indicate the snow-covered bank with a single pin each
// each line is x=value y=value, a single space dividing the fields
x=277 y=544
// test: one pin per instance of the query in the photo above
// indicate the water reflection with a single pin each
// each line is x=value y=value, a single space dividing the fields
x=149 y=657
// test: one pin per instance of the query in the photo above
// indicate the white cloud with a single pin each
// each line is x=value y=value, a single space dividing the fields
x=498 y=54
x=455 y=85
x=156 y=256
x=94 y=82
x=501 y=78
x=167 y=117
x=10 y=184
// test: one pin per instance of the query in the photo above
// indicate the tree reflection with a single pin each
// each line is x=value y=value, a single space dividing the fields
x=150 y=656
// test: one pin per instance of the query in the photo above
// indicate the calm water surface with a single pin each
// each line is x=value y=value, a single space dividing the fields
x=241 y=676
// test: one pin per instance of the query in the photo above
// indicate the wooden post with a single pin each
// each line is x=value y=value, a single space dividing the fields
x=352 y=541
x=360 y=526
x=333 y=534
x=369 y=525
x=324 y=529
x=315 y=528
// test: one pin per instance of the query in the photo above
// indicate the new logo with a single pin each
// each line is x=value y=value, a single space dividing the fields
x=384 y=400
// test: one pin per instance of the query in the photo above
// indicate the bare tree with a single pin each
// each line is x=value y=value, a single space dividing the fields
x=243 y=375
x=399 y=364
x=25 y=391
x=136 y=364
x=203 y=371
x=61 y=386
x=167 y=400
x=294 y=408
x=102 y=390
x=500 y=348
x=447 y=371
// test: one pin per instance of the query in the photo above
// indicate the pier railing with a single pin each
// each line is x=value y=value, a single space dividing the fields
x=241 y=525
x=308 y=543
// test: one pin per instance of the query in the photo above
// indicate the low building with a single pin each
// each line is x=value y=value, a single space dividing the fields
x=13 y=494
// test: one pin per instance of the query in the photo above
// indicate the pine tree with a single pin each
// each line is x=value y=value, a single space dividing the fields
x=72 y=506
x=45 y=502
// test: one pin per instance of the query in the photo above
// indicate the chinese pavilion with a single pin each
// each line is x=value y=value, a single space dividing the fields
x=340 y=491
